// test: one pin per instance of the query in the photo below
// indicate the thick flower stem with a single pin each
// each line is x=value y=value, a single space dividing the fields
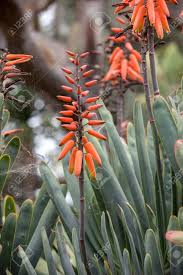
x=160 y=202
x=81 y=184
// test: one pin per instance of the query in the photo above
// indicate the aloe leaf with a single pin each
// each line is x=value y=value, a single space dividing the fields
x=151 y=149
x=108 y=251
x=6 y=116
x=55 y=193
x=38 y=209
x=77 y=252
x=135 y=258
x=127 y=167
x=6 y=241
x=34 y=249
x=145 y=168
x=12 y=149
x=4 y=169
x=25 y=261
x=21 y=233
x=180 y=217
x=116 y=245
x=153 y=250
x=167 y=128
x=133 y=150
x=47 y=252
x=9 y=205
x=64 y=258
x=127 y=262
x=148 y=265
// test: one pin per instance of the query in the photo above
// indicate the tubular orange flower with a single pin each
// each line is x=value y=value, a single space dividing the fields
x=66 y=138
x=67 y=89
x=69 y=107
x=92 y=99
x=89 y=147
x=64 y=98
x=11 y=132
x=72 y=160
x=84 y=139
x=90 y=83
x=95 y=122
x=78 y=163
x=65 y=119
x=94 y=107
x=67 y=71
x=70 y=127
x=69 y=79
x=66 y=113
x=96 y=134
x=88 y=73
x=90 y=165
x=124 y=67
x=68 y=146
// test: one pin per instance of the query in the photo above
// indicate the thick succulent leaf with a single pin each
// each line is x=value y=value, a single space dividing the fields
x=55 y=193
x=4 y=169
x=135 y=258
x=80 y=266
x=6 y=116
x=167 y=128
x=12 y=149
x=152 y=248
x=145 y=168
x=38 y=209
x=6 y=241
x=127 y=166
x=148 y=265
x=151 y=149
x=48 y=253
x=21 y=233
x=34 y=249
x=9 y=205
x=131 y=139
x=127 y=262
x=64 y=258
x=25 y=260
x=107 y=242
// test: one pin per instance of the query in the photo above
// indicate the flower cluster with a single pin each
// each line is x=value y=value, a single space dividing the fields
x=77 y=119
x=156 y=11
x=9 y=73
x=124 y=63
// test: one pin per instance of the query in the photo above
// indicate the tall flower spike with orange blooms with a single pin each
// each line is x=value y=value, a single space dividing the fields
x=124 y=63
x=155 y=11
x=78 y=120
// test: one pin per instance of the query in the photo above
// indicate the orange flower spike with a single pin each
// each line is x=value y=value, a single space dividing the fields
x=70 y=79
x=65 y=119
x=90 y=83
x=92 y=99
x=64 y=98
x=68 y=146
x=78 y=163
x=66 y=138
x=124 y=66
x=67 y=88
x=72 y=160
x=95 y=122
x=96 y=134
x=67 y=71
x=151 y=11
x=91 y=166
x=89 y=147
x=66 y=113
